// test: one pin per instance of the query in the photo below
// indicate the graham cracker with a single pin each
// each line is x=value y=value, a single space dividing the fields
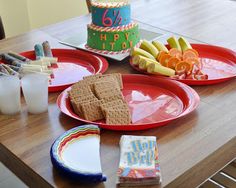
x=112 y=98
x=117 y=116
x=116 y=76
x=88 y=81
x=99 y=96
x=104 y=93
x=83 y=98
x=116 y=107
x=82 y=91
x=92 y=77
x=76 y=107
x=109 y=78
x=79 y=84
x=76 y=104
x=111 y=104
x=92 y=110
x=100 y=85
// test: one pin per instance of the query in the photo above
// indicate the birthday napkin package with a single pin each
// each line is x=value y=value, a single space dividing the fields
x=138 y=161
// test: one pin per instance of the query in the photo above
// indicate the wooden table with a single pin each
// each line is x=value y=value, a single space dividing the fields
x=191 y=148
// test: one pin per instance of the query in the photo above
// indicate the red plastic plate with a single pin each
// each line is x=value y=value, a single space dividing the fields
x=152 y=101
x=218 y=63
x=72 y=66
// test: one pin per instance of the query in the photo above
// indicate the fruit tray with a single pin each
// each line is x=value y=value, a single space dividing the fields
x=217 y=62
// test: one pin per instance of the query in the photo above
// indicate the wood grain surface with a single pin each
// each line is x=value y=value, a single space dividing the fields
x=208 y=21
x=191 y=148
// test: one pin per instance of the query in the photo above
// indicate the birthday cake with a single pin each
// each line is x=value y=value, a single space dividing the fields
x=112 y=30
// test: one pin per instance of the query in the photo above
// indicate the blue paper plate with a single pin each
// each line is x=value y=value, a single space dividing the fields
x=76 y=154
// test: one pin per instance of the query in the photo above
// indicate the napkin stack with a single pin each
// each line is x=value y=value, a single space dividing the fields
x=138 y=161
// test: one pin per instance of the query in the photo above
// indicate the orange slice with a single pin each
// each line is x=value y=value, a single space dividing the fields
x=161 y=53
x=172 y=62
x=192 y=50
x=183 y=66
x=164 y=59
x=189 y=55
x=174 y=52
x=194 y=61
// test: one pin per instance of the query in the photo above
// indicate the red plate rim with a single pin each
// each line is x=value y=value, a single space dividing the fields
x=194 y=101
x=96 y=58
x=228 y=54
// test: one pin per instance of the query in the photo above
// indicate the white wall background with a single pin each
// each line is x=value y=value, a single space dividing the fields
x=20 y=16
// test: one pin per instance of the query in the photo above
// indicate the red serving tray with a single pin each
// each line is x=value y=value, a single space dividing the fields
x=218 y=63
x=72 y=66
x=152 y=101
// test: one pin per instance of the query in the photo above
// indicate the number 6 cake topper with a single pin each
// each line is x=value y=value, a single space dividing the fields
x=110 y=14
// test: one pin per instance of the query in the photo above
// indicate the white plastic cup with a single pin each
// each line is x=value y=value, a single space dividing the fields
x=35 y=89
x=10 y=95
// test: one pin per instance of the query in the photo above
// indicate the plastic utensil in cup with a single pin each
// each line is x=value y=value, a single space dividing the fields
x=35 y=90
x=10 y=95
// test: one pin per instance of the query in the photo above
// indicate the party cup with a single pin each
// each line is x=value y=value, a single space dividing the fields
x=35 y=89
x=10 y=95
